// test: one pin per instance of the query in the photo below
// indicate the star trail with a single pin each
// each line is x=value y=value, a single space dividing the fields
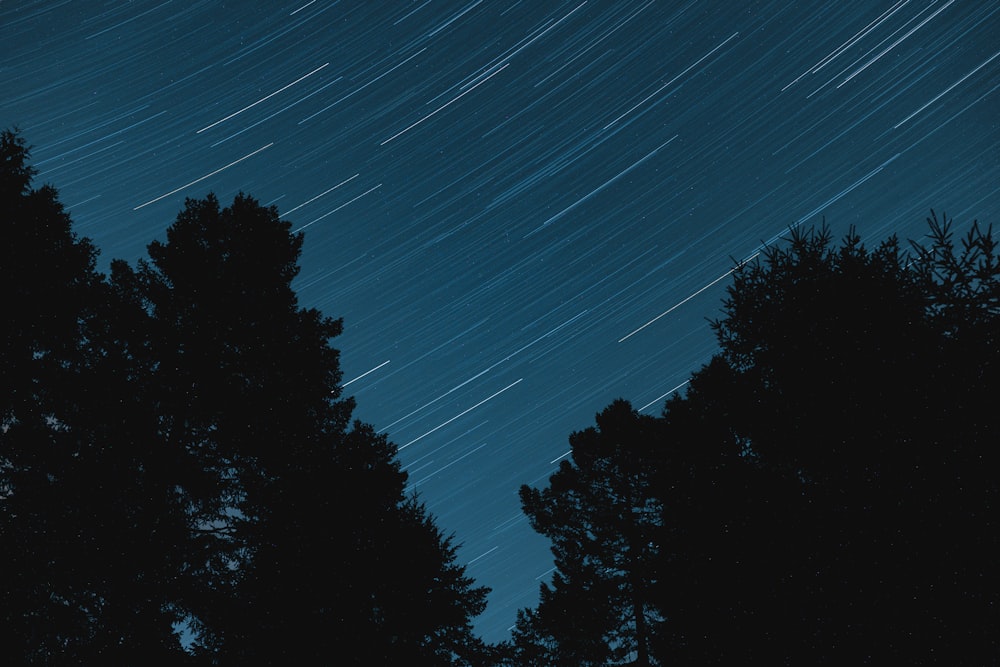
x=528 y=208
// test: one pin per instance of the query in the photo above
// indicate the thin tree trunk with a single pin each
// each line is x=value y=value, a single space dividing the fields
x=641 y=628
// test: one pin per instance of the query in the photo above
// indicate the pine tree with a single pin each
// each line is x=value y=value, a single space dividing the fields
x=309 y=545
x=174 y=452
x=85 y=535
x=844 y=442
x=601 y=515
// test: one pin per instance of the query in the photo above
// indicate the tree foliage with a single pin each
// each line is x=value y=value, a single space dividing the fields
x=87 y=522
x=852 y=389
x=828 y=484
x=175 y=453
x=600 y=512
x=304 y=512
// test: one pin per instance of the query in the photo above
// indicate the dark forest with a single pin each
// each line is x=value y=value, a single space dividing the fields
x=182 y=480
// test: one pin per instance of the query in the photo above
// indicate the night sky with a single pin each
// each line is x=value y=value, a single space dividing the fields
x=522 y=210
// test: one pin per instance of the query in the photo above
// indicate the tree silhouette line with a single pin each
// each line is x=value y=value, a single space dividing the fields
x=175 y=452
x=176 y=457
x=825 y=493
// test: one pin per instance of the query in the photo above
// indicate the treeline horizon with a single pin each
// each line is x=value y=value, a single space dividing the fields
x=176 y=452
x=824 y=493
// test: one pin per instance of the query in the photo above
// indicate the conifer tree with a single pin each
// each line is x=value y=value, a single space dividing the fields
x=87 y=526
x=175 y=454
x=851 y=392
x=601 y=515
x=312 y=552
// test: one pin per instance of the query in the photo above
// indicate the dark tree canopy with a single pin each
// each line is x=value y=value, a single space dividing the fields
x=600 y=513
x=175 y=453
x=48 y=281
x=304 y=514
x=848 y=385
x=827 y=487
x=87 y=525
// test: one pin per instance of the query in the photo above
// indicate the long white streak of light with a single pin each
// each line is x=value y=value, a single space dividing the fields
x=484 y=555
x=351 y=201
x=561 y=456
x=410 y=472
x=590 y=46
x=266 y=97
x=599 y=188
x=199 y=180
x=894 y=44
x=681 y=303
x=81 y=203
x=461 y=437
x=461 y=414
x=842 y=193
x=531 y=40
x=945 y=91
x=291 y=210
x=927 y=135
x=485 y=370
x=660 y=398
x=282 y=110
x=861 y=35
x=95 y=141
x=446 y=466
x=362 y=87
x=849 y=43
x=302 y=7
x=454 y=18
x=658 y=90
x=435 y=400
x=134 y=18
x=486 y=73
x=443 y=106
x=366 y=373
x=86 y=156
x=411 y=13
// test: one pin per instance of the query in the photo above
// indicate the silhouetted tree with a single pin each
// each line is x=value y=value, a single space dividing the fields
x=722 y=582
x=311 y=552
x=86 y=533
x=174 y=451
x=826 y=490
x=858 y=423
x=601 y=515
